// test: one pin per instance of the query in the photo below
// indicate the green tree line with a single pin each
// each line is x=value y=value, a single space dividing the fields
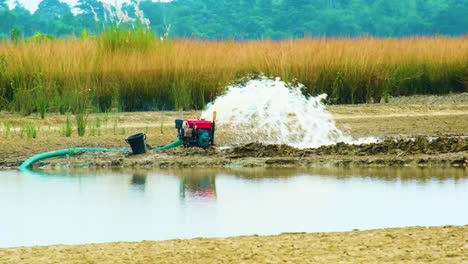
x=248 y=19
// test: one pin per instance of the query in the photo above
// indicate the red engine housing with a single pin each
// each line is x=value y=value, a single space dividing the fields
x=201 y=124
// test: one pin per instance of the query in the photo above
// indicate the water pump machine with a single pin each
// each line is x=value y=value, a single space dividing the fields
x=196 y=132
x=191 y=133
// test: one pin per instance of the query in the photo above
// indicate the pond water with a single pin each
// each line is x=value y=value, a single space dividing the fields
x=91 y=206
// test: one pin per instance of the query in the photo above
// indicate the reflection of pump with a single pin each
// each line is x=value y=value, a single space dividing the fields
x=201 y=187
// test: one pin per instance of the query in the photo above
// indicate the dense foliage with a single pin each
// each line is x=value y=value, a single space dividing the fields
x=109 y=60
x=250 y=19
x=133 y=70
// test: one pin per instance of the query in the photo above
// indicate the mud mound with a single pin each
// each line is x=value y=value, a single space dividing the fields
x=420 y=145
x=193 y=151
x=402 y=146
x=260 y=150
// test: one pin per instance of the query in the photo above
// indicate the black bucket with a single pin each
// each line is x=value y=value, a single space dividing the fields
x=137 y=143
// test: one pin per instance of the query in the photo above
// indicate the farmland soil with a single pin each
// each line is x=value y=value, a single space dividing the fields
x=413 y=131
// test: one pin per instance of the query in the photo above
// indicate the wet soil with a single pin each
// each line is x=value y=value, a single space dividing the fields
x=418 y=152
x=416 y=131
x=399 y=245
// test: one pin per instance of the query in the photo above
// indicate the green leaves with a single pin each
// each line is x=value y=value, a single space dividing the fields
x=240 y=20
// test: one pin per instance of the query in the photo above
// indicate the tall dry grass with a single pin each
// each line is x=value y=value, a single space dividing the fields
x=187 y=74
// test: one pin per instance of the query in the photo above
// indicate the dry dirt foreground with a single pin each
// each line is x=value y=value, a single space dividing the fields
x=426 y=116
x=448 y=244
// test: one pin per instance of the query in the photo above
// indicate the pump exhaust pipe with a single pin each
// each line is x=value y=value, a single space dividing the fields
x=213 y=128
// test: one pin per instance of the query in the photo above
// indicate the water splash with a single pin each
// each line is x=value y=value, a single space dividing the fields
x=272 y=112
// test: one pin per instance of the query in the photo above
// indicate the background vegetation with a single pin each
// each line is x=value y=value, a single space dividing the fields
x=98 y=58
x=134 y=70
x=250 y=19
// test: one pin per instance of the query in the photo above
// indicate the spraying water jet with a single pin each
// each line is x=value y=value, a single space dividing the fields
x=275 y=112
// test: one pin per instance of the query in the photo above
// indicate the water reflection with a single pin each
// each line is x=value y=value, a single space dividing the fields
x=201 y=187
x=419 y=174
x=46 y=207
x=139 y=180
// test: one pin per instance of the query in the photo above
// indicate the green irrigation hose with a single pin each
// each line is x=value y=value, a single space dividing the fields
x=63 y=152
x=75 y=151
x=173 y=144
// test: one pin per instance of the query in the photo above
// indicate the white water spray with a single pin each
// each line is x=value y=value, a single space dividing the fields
x=272 y=112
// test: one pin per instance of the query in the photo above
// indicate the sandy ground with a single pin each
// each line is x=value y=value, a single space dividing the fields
x=448 y=244
x=405 y=117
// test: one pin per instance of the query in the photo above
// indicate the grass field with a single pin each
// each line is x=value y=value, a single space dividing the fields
x=134 y=71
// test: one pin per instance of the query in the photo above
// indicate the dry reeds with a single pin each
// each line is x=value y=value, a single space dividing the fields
x=184 y=73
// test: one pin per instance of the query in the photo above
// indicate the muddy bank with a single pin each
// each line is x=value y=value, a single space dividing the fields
x=419 y=145
x=421 y=151
x=399 y=245
x=441 y=117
